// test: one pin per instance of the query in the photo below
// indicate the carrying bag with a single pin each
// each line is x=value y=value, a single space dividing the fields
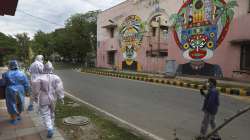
x=2 y=89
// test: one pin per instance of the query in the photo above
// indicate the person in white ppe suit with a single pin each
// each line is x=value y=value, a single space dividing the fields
x=36 y=68
x=47 y=88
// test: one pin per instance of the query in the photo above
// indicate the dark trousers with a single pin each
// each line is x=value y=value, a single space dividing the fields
x=209 y=119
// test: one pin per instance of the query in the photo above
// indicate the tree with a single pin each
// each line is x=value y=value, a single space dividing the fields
x=62 y=42
x=43 y=43
x=7 y=48
x=23 y=43
x=73 y=42
x=81 y=29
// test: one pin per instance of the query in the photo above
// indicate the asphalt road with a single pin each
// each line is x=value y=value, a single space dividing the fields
x=158 y=109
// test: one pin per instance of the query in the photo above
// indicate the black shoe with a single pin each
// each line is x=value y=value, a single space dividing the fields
x=215 y=137
x=199 y=138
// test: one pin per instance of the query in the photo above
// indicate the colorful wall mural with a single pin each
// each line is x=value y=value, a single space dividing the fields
x=199 y=28
x=131 y=35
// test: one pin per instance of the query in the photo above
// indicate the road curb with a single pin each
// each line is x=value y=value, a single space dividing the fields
x=122 y=123
x=230 y=91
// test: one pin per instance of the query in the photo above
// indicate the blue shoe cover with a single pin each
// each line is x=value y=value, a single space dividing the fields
x=30 y=108
x=50 y=133
x=13 y=122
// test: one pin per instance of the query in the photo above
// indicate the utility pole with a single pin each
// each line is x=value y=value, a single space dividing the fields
x=159 y=36
x=159 y=43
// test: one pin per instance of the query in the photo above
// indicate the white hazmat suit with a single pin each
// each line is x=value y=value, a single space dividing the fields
x=36 y=68
x=47 y=88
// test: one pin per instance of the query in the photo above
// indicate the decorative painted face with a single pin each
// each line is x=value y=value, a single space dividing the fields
x=131 y=34
x=129 y=54
x=200 y=26
x=199 y=43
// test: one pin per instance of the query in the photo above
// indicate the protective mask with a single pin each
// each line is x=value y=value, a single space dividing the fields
x=208 y=84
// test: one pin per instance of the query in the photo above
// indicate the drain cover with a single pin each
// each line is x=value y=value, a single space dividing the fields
x=76 y=120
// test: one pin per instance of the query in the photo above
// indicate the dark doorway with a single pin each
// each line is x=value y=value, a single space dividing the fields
x=245 y=57
x=111 y=57
x=132 y=67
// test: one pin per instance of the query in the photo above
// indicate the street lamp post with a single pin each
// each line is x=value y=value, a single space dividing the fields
x=159 y=44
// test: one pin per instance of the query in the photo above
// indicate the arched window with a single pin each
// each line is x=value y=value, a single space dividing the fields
x=158 y=22
x=248 y=6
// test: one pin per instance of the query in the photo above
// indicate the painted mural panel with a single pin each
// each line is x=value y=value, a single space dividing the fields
x=199 y=28
x=131 y=35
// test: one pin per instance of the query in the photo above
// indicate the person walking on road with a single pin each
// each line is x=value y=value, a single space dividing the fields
x=36 y=69
x=210 y=107
x=17 y=85
x=47 y=88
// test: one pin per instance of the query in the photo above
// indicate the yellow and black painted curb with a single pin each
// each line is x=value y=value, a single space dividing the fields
x=174 y=82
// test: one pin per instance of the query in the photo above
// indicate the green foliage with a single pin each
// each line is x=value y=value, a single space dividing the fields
x=23 y=43
x=223 y=19
x=143 y=26
x=7 y=48
x=218 y=3
x=228 y=11
x=183 y=11
x=75 y=41
x=230 y=8
x=7 y=41
x=232 y=4
x=175 y=19
x=230 y=14
x=43 y=43
x=81 y=32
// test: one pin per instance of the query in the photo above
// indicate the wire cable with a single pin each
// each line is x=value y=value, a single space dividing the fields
x=39 y=18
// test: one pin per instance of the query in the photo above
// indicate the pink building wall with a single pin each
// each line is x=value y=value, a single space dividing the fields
x=148 y=64
x=226 y=55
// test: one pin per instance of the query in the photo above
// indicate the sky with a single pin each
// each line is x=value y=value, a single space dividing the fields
x=48 y=15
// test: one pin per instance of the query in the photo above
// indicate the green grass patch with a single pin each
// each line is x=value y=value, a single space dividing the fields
x=106 y=129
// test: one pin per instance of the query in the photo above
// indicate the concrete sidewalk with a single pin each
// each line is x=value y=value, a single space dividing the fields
x=30 y=127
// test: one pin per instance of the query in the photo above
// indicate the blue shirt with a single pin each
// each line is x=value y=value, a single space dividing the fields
x=211 y=102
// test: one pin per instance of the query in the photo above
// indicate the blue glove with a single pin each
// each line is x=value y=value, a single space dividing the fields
x=30 y=108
